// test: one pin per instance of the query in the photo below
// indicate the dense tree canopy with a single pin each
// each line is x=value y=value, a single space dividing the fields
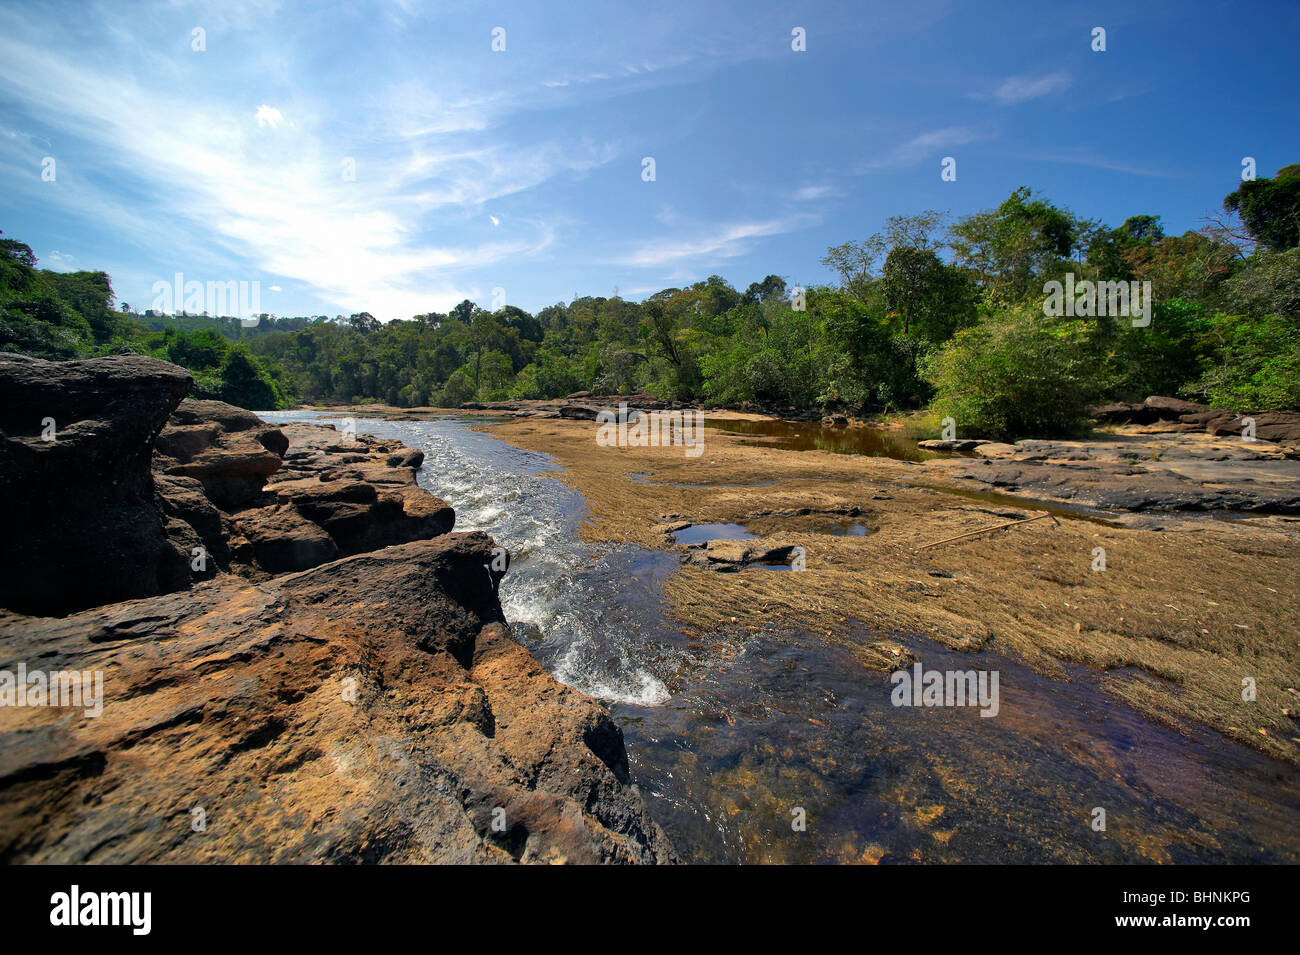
x=1270 y=208
x=923 y=313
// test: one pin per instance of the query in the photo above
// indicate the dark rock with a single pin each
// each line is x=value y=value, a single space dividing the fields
x=1282 y=427
x=231 y=452
x=80 y=523
x=1171 y=409
x=1155 y=408
x=579 y=412
x=960 y=444
x=284 y=541
x=182 y=498
x=1130 y=488
x=1123 y=412
x=410 y=459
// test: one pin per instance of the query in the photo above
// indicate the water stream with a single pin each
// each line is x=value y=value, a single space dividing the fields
x=735 y=737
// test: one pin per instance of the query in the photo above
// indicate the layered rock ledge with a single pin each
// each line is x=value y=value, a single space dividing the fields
x=1163 y=455
x=300 y=661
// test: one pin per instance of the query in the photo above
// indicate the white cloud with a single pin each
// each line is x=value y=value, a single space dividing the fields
x=274 y=288
x=814 y=192
x=495 y=220
x=1019 y=89
x=269 y=116
x=280 y=207
x=923 y=146
x=725 y=242
x=58 y=261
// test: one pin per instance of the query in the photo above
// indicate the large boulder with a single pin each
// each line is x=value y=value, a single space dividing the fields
x=78 y=516
x=1171 y=409
x=374 y=709
x=228 y=450
x=1282 y=427
x=1154 y=408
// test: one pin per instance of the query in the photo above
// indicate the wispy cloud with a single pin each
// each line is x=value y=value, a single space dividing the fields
x=1099 y=162
x=1021 y=89
x=809 y=193
x=719 y=242
x=923 y=146
x=278 y=205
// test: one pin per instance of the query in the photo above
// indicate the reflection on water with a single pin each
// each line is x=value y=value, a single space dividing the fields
x=1074 y=512
x=843 y=529
x=699 y=533
x=789 y=722
x=729 y=732
x=815 y=436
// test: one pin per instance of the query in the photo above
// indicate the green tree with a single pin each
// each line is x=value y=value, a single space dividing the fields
x=1017 y=374
x=1270 y=208
x=1011 y=247
x=244 y=384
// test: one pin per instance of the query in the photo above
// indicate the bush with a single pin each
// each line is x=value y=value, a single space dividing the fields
x=1256 y=365
x=1018 y=374
x=244 y=384
x=458 y=389
x=1159 y=359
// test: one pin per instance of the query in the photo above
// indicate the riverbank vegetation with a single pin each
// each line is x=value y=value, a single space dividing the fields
x=926 y=312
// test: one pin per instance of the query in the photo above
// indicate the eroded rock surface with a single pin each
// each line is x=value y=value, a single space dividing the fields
x=314 y=670
x=1141 y=471
x=373 y=709
x=77 y=512
x=263 y=500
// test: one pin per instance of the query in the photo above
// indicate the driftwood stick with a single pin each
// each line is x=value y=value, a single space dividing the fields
x=996 y=527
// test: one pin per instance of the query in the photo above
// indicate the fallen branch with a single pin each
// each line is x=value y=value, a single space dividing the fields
x=997 y=527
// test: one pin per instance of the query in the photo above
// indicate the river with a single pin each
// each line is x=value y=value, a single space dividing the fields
x=780 y=747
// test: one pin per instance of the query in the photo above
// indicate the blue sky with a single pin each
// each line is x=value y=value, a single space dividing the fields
x=522 y=170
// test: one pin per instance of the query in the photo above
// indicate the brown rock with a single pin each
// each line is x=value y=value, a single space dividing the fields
x=1282 y=427
x=228 y=450
x=284 y=541
x=374 y=709
x=1171 y=409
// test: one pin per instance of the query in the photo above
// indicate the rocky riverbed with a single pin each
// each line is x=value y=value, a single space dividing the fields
x=303 y=661
x=1186 y=603
x=300 y=661
x=746 y=695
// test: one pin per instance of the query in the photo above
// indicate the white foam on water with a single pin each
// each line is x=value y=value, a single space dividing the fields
x=568 y=613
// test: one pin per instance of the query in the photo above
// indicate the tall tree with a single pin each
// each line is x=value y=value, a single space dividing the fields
x=1270 y=208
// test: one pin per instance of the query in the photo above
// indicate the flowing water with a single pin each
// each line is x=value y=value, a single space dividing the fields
x=765 y=745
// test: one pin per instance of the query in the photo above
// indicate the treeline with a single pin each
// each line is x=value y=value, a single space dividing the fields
x=59 y=316
x=926 y=312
